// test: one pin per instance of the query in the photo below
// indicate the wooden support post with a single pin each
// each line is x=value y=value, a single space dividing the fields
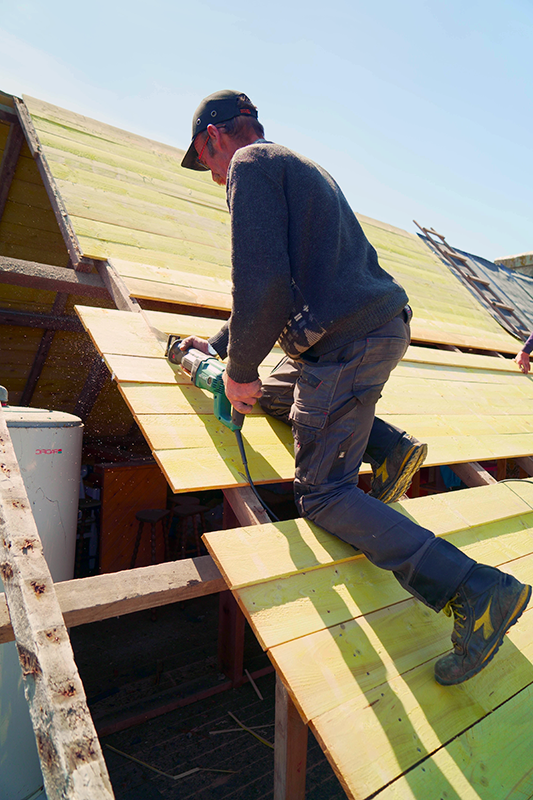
x=71 y=758
x=246 y=506
x=525 y=463
x=472 y=474
x=231 y=624
x=248 y=511
x=501 y=469
x=290 y=748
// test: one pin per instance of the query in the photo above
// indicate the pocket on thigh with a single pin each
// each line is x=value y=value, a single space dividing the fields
x=306 y=429
x=380 y=357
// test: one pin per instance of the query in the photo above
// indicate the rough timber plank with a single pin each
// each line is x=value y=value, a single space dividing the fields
x=71 y=758
x=99 y=597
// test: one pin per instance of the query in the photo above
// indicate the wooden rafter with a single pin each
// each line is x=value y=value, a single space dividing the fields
x=116 y=287
x=472 y=474
x=31 y=319
x=15 y=138
x=65 y=225
x=7 y=114
x=17 y=272
x=71 y=758
x=42 y=353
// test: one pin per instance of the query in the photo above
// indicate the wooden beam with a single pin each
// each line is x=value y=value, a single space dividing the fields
x=246 y=506
x=17 y=272
x=8 y=114
x=60 y=211
x=28 y=319
x=15 y=139
x=100 y=597
x=116 y=287
x=290 y=748
x=42 y=353
x=525 y=463
x=472 y=474
x=71 y=758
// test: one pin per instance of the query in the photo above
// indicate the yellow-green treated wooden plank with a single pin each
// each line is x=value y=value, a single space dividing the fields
x=465 y=508
x=73 y=170
x=208 y=468
x=251 y=555
x=431 y=355
x=122 y=332
x=124 y=185
x=40 y=109
x=140 y=369
x=163 y=170
x=190 y=279
x=143 y=151
x=82 y=201
x=102 y=237
x=164 y=292
x=174 y=431
x=300 y=604
x=442 y=513
x=185 y=324
x=333 y=666
x=385 y=731
x=491 y=760
x=149 y=398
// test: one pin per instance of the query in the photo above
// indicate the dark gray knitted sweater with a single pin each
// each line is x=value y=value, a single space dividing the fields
x=303 y=271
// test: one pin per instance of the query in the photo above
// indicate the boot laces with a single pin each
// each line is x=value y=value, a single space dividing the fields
x=456 y=606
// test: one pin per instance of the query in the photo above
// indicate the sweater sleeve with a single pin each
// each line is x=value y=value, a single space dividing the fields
x=219 y=341
x=261 y=272
x=528 y=345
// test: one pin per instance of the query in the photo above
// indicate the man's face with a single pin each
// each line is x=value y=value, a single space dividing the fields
x=217 y=155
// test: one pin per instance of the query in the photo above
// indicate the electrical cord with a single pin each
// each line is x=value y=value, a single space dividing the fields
x=249 y=479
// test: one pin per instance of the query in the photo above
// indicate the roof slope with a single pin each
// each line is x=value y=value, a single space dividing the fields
x=167 y=229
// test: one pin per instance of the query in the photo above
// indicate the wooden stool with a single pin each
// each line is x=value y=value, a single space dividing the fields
x=188 y=513
x=153 y=516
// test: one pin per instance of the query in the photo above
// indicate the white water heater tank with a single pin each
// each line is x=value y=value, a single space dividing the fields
x=48 y=449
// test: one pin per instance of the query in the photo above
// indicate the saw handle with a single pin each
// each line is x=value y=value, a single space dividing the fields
x=237 y=418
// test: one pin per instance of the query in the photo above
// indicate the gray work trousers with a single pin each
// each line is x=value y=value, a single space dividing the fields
x=332 y=415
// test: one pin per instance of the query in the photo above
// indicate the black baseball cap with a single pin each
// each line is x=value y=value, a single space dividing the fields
x=218 y=107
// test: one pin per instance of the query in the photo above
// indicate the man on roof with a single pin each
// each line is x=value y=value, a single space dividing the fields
x=304 y=275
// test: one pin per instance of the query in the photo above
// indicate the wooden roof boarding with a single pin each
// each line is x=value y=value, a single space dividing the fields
x=466 y=407
x=356 y=653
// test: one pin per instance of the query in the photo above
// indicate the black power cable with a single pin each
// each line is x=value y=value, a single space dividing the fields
x=249 y=479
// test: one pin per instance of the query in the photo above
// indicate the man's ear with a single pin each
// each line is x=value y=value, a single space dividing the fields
x=214 y=134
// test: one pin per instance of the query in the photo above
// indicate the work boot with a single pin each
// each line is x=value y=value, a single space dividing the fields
x=484 y=608
x=393 y=477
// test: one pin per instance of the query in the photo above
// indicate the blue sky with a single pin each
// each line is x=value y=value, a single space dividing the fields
x=420 y=110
